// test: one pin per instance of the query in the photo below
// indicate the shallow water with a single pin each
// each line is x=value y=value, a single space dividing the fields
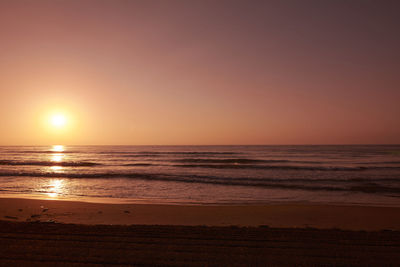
x=204 y=174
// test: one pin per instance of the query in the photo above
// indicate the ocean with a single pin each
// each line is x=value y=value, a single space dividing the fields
x=204 y=175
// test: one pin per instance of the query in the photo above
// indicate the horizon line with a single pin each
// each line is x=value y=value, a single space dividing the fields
x=352 y=144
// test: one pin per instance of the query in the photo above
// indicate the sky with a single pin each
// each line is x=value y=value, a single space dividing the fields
x=199 y=72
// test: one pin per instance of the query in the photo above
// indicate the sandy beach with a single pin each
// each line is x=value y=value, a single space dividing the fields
x=48 y=232
x=279 y=215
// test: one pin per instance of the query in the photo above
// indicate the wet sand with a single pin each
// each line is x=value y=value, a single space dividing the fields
x=42 y=232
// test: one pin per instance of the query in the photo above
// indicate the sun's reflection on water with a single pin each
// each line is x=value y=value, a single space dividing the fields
x=55 y=187
x=57 y=157
x=56 y=168
x=58 y=148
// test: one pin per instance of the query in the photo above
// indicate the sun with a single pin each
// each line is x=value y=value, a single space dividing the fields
x=58 y=120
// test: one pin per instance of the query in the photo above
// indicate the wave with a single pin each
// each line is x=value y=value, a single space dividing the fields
x=351 y=185
x=286 y=167
x=240 y=163
x=130 y=155
x=244 y=161
x=150 y=153
x=233 y=161
x=110 y=174
x=49 y=163
x=188 y=152
x=380 y=162
x=42 y=152
x=141 y=164
x=160 y=153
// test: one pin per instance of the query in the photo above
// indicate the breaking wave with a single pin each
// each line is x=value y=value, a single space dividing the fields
x=287 y=167
x=351 y=185
x=49 y=163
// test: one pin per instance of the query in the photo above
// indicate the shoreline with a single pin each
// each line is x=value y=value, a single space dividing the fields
x=288 y=215
x=132 y=201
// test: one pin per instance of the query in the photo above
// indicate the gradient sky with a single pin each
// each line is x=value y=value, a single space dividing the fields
x=200 y=72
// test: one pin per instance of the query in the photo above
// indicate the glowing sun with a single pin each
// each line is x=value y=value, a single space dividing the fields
x=58 y=120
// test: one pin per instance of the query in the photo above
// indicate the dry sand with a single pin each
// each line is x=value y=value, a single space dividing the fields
x=283 y=215
x=67 y=233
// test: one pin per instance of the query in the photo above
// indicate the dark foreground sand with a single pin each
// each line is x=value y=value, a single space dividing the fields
x=49 y=244
x=39 y=232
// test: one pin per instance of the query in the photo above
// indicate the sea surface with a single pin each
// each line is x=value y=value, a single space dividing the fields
x=356 y=175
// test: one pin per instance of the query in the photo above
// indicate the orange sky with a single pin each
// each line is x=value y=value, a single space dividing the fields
x=200 y=72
